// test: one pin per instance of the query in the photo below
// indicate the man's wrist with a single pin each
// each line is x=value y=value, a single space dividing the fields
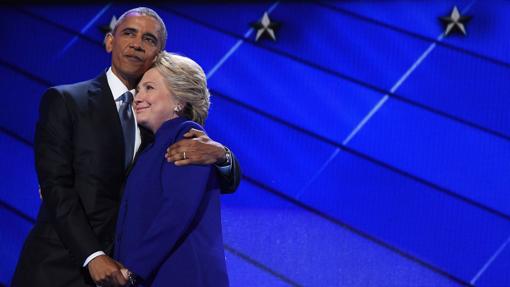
x=226 y=160
x=133 y=280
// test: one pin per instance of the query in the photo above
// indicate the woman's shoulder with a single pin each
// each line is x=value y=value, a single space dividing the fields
x=186 y=125
x=175 y=129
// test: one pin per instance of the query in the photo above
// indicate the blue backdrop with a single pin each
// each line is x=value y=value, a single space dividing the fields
x=375 y=151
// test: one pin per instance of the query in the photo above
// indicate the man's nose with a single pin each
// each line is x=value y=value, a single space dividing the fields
x=136 y=44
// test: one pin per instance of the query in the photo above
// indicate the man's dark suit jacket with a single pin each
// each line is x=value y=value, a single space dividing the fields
x=79 y=156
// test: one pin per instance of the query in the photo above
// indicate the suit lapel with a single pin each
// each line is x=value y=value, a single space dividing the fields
x=147 y=139
x=103 y=111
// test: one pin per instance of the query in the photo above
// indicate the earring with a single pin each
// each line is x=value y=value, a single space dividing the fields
x=178 y=108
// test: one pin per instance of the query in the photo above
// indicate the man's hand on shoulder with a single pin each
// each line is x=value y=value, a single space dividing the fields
x=106 y=272
x=196 y=148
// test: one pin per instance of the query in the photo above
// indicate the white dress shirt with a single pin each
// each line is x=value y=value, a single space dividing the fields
x=118 y=89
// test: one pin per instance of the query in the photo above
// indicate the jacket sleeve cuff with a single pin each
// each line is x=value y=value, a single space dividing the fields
x=92 y=256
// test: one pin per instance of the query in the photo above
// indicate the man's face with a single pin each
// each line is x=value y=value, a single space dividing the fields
x=134 y=46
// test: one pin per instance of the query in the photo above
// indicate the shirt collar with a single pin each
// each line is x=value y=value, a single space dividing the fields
x=116 y=85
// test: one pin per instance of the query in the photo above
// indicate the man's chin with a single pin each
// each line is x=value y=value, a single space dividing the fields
x=134 y=70
x=134 y=74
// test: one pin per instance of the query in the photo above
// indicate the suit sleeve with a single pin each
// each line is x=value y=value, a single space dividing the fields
x=184 y=189
x=230 y=182
x=54 y=164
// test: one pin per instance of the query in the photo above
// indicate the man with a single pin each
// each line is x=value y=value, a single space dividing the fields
x=84 y=145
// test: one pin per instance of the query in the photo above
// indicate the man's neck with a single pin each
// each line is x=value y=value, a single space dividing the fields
x=128 y=82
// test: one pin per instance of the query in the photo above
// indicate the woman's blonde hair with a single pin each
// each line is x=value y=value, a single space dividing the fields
x=187 y=82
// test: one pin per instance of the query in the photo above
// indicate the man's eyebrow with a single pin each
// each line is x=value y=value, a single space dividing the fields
x=129 y=29
x=151 y=35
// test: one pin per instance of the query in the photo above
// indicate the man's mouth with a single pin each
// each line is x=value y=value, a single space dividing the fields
x=134 y=58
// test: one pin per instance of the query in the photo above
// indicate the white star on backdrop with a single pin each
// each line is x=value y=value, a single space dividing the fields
x=265 y=27
x=455 y=22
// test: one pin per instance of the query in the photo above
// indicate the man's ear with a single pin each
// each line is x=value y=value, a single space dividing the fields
x=108 y=42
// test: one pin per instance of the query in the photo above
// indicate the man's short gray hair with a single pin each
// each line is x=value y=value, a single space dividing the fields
x=186 y=80
x=145 y=12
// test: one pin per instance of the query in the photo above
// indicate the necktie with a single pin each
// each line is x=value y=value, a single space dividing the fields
x=127 y=121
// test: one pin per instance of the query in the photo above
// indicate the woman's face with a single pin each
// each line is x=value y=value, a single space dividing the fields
x=154 y=103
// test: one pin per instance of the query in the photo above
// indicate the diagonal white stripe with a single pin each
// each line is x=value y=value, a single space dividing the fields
x=361 y=124
x=489 y=262
x=393 y=89
x=397 y=85
x=383 y=100
x=321 y=169
x=83 y=31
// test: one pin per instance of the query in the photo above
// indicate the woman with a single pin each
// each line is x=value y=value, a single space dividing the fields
x=169 y=226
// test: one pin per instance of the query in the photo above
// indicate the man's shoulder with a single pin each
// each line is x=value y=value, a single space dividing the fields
x=75 y=94
x=72 y=86
x=79 y=87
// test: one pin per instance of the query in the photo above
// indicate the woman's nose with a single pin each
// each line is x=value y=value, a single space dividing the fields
x=138 y=97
